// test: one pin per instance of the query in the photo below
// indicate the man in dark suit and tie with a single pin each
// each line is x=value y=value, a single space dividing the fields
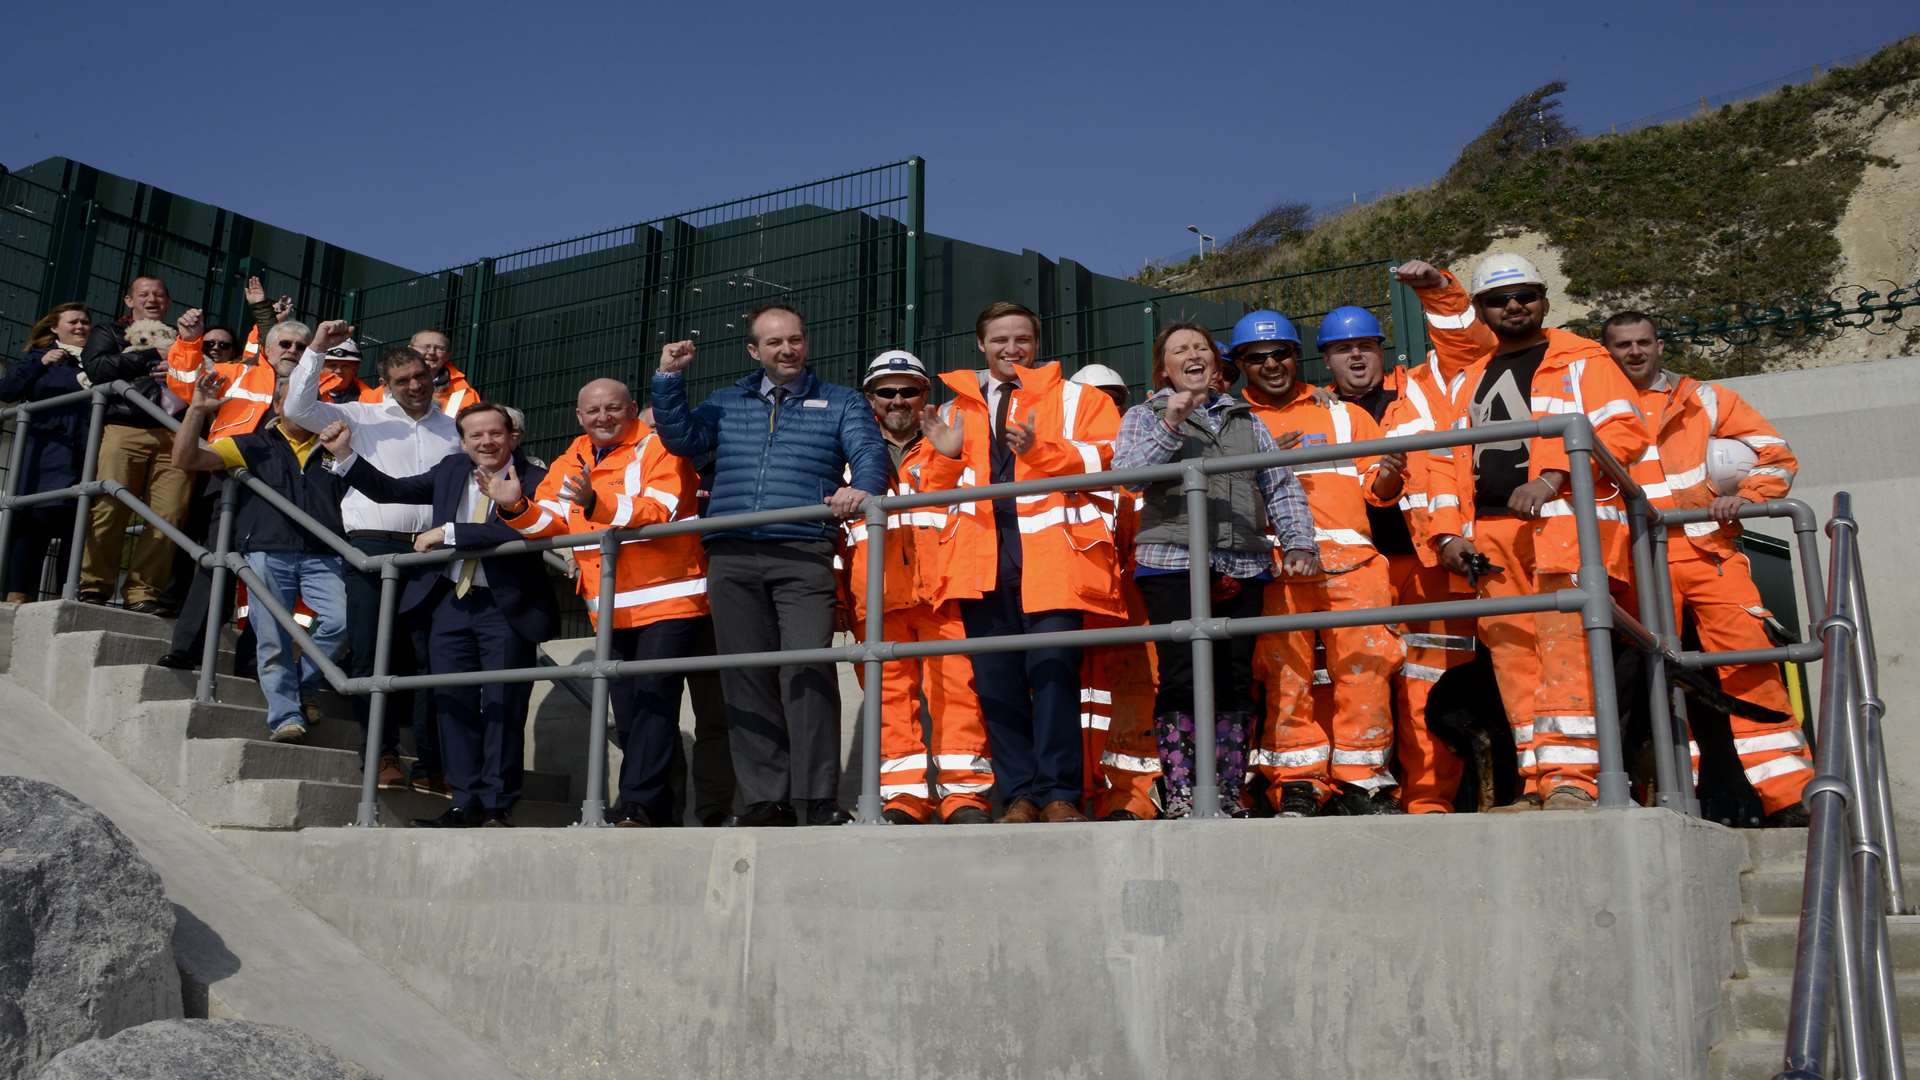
x=487 y=614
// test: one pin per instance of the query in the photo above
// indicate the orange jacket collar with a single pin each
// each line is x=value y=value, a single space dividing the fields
x=1033 y=380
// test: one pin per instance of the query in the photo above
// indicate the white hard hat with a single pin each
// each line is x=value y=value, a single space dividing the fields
x=896 y=362
x=1099 y=375
x=1502 y=268
x=1728 y=462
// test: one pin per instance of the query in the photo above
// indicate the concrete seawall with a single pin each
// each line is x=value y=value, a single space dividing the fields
x=1573 y=945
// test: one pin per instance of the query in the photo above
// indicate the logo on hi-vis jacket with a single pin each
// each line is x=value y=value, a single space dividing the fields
x=1504 y=400
x=1313 y=438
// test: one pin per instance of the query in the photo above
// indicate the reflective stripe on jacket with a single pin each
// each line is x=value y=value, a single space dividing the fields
x=1338 y=491
x=1425 y=403
x=637 y=483
x=1687 y=413
x=1067 y=551
x=912 y=545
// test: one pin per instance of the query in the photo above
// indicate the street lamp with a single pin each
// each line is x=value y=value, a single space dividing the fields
x=1204 y=240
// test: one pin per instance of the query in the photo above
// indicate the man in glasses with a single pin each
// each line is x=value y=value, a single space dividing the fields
x=1500 y=512
x=896 y=387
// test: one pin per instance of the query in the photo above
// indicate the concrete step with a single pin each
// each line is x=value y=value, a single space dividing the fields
x=222 y=761
x=1774 y=893
x=1759 y=1059
x=1766 y=946
x=113 y=649
x=1776 y=848
x=319 y=804
x=6 y=636
x=219 y=720
x=1759 y=1006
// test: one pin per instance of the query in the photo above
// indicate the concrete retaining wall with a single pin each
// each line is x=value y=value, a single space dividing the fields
x=1567 y=945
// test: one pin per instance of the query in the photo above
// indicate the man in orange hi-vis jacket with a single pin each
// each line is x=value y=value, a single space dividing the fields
x=618 y=475
x=896 y=387
x=1031 y=565
x=451 y=390
x=1310 y=769
x=1509 y=502
x=1712 y=580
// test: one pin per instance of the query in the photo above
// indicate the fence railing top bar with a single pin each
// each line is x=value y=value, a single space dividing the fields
x=713 y=208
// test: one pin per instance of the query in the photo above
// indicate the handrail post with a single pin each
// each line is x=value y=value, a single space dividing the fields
x=1673 y=700
x=1596 y=615
x=216 y=593
x=1876 y=790
x=89 y=467
x=1659 y=719
x=1206 y=779
x=16 y=460
x=874 y=632
x=593 y=805
x=916 y=227
x=369 y=816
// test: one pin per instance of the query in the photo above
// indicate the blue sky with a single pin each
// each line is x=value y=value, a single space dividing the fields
x=434 y=133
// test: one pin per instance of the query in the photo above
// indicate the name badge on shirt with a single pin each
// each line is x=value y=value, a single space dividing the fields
x=814 y=403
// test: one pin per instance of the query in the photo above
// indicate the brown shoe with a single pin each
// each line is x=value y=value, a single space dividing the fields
x=1519 y=805
x=432 y=784
x=1568 y=798
x=1062 y=810
x=393 y=774
x=1020 y=812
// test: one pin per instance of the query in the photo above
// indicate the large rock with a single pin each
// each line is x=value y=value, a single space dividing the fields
x=86 y=933
x=203 y=1050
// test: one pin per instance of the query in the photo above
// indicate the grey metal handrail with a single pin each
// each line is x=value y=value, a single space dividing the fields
x=1590 y=596
x=1843 y=964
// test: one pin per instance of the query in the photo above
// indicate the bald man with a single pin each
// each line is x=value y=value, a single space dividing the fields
x=619 y=475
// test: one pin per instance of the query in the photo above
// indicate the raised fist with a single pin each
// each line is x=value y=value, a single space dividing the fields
x=331 y=333
x=190 y=324
x=1419 y=274
x=676 y=357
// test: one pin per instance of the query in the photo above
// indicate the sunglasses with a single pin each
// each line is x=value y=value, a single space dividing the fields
x=1257 y=358
x=216 y=343
x=290 y=344
x=1524 y=296
x=890 y=392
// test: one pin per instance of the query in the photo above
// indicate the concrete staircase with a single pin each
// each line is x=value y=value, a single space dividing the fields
x=95 y=667
x=1757 y=998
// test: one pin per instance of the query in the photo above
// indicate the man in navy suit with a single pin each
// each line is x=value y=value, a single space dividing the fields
x=487 y=614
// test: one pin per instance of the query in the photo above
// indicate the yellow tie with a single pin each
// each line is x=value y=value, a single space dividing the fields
x=481 y=504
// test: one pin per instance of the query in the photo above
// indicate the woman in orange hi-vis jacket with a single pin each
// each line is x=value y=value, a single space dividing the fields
x=957 y=775
x=1341 y=767
x=1509 y=503
x=1712 y=579
x=619 y=475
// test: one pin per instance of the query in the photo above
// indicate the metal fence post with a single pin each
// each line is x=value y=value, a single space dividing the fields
x=916 y=226
x=1597 y=616
x=1658 y=718
x=16 y=460
x=217 y=590
x=369 y=816
x=89 y=466
x=1147 y=358
x=875 y=631
x=477 y=312
x=1206 y=778
x=593 y=806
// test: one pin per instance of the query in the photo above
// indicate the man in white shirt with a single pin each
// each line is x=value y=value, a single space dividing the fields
x=403 y=435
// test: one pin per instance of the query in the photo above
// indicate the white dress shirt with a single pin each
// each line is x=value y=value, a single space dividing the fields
x=385 y=435
x=464 y=514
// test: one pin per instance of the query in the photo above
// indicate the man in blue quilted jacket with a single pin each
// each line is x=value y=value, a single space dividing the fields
x=780 y=438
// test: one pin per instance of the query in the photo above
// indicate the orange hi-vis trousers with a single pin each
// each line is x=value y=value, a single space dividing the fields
x=1293 y=746
x=1540 y=661
x=962 y=766
x=1429 y=769
x=1123 y=760
x=1728 y=615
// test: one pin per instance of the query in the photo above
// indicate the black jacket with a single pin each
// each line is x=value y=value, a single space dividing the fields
x=56 y=438
x=519 y=583
x=259 y=525
x=106 y=358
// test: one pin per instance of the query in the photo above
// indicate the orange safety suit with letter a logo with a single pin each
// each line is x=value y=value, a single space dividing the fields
x=1429 y=769
x=960 y=763
x=1713 y=580
x=1360 y=659
x=637 y=482
x=1540 y=660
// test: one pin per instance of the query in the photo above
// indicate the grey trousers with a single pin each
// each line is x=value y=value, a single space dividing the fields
x=783 y=724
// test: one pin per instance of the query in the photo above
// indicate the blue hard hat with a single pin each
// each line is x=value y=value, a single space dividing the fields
x=1346 y=324
x=1262 y=325
x=1221 y=348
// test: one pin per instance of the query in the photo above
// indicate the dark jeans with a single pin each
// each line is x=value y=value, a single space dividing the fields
x=1167 y=601
x=646 y=713
x=35 y=528
x=409 y=640
x=712 y=771
x=783 y=724
x=483 y=728
x=1031 y=699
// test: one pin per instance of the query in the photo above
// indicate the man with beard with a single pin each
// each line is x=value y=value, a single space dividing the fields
x=403 y=435
x=896 y=386
x=1509 y=502
x=1406 y=401
x=451 y=390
